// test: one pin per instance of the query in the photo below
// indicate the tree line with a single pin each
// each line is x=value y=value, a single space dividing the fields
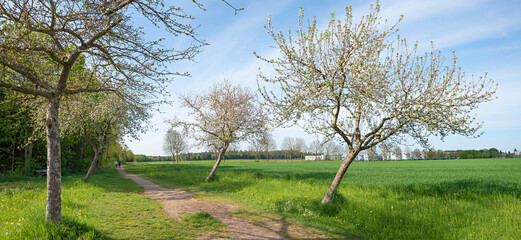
x=23 y=145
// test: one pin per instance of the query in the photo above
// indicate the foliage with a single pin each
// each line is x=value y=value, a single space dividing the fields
x=174 y=144
x=225 y=114
x=351 y=82
x=449 y=199
x=54 y=49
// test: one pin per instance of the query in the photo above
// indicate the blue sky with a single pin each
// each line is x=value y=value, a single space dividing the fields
x=485 y=34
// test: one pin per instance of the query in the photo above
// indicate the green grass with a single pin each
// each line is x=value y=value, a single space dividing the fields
x=108 y=207
x=444 y=199
x=204 y=223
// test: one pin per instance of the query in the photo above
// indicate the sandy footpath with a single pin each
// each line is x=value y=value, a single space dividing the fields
x=175 y=202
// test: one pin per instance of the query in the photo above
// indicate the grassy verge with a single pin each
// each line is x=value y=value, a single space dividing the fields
x=453 y=199
x=108 y=207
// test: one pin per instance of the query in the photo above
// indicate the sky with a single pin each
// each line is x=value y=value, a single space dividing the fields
x=484 y=34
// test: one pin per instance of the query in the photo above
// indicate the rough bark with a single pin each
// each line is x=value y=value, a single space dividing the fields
x=338 y=178
x=219 y=159
x=53 y=208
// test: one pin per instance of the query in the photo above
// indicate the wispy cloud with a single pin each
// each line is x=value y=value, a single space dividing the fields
x=485 y=34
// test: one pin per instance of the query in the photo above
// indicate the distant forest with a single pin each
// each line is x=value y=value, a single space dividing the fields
x=280 y=154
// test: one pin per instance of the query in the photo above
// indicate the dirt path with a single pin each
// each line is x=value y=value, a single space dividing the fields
x=175 y=202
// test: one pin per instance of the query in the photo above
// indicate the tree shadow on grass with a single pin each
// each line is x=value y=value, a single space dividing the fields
x=73 y=229
x=375 y=225
x=68 y=228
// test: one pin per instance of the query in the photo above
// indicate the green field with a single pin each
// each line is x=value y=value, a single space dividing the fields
x=442 y=199
x=108 y=207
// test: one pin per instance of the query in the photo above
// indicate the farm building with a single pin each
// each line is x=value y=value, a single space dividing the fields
x=314 y=158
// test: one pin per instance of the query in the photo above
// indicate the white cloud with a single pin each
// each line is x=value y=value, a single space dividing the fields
x=449 y=23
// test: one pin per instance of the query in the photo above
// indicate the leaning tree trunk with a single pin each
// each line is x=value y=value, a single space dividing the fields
x=52 y=127
x=219 y=158
x=339 y=175
x=97 y=151
x=93 y=164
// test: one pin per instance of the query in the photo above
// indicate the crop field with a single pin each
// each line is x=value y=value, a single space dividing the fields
x=439 y=199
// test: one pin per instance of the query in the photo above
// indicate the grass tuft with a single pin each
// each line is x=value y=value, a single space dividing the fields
x=203 y=223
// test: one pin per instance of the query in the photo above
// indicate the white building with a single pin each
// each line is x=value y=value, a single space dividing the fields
x=314 y=158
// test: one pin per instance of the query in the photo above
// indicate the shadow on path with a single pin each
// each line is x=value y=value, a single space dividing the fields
x=175 y=202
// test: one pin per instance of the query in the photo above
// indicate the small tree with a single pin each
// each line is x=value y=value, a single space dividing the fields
x=416 y=154
x=315 y=147
x=300 y=146
x=289 y=145
x=398 y=153
x=267 y=144
x=440 y=154
x=372 y=154
x=386 y=150
x=330 y=148
x=351 y=82
x=174 y=144
x=256 y=147
x=408 y=153
x=223 y=115
x=424 y=153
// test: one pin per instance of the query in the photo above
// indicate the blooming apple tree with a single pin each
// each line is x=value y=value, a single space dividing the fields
x=227 y=113
x=352 y=82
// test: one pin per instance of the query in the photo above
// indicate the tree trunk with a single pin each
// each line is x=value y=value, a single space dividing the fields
x=267 y=155
x=219 y=158
x=77 y=165
x=97 y=151
x=92 y=165
x=28 y=157
x=339 y=175
x=13 y=148
x=52 y=127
